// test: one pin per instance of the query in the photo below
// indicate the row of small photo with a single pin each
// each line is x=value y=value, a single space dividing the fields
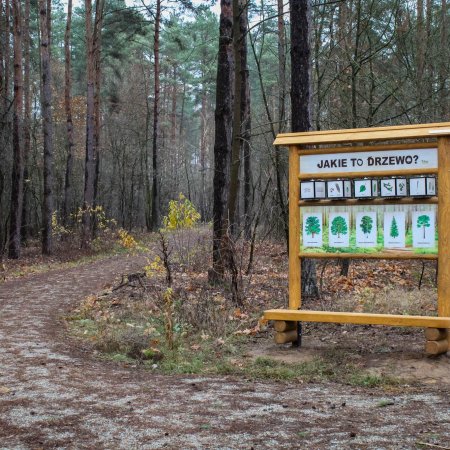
x=368 y=188
x=367 y=229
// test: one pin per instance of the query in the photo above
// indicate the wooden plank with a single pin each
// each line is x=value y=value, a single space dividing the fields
x=374 y=255
x=374 y=202
x=444 y=227
x=420 y=131
x=366 y=148
x=372 y=173
x=294 y=230
x=357 y=318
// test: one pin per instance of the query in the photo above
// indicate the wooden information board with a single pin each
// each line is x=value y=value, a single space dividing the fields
x=394 y=173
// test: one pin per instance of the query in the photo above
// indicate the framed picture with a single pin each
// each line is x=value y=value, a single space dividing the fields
x=339 y=229
x=335 y=189
x=423 y=229
x=364 y=188
x=394 y=229
x=375 y=192
x=387 y=187
x=401 y=187
x=347 y=189
x=431 y=186
x=312 y=230
x=320 y=189
x=418 y=187
x=307 y=190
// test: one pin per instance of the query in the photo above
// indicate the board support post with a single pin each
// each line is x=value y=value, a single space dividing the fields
x=294 y=229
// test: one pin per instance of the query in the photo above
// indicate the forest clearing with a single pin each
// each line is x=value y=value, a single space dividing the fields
x=172 y=277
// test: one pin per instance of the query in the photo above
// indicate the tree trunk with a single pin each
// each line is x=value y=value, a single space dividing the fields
x=203 y=132
x=223 y=136
x=89 y=171
x=301 y=100
x=27 y=120
x=17 y=171
x=68 y=190
x=155 y=165
x=46 y=95
x=246 y=121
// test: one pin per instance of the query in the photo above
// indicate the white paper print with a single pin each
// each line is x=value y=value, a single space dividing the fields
x=387 y=187
x=394 y=160
x=401 y=186
x=339 y=229
x=417 y=187
x=347 y=189
x=307 y=189
x=312 y=230
x=374 y=188
x=394 y=229
x=423 y=229
x=363 y=188
x=335 y=189
x=319 y=188
x=366 y=229
x=431 y=186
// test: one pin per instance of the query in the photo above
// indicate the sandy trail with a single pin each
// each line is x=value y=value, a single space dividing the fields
x=55 y=394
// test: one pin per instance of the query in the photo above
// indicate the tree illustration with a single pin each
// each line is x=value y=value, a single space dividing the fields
x=366 y=225
x=394 y=228
x=312 y=226
x=339 y=226
x=424 y=222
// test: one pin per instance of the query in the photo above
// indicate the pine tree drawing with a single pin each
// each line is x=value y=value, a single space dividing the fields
x=339 y=226
x=423 y=222
x=312 y=226
x=366 y=225
x=394 y=229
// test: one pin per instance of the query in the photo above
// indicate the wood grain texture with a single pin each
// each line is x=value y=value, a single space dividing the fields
x=283 y=325
x=377 y=255
x=294 y=230
x=358 y=318
x=436 y=347
x=373 y=202
x=436 y=334
x=444 y=227
x=420 y=131
x=285 y=337
x=367 y=148
x=372 y=173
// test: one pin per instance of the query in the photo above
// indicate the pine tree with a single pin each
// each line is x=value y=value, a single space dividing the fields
x=423 y=222
x=394 y=228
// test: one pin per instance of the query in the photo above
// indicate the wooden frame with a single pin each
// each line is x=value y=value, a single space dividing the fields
x=437 y=136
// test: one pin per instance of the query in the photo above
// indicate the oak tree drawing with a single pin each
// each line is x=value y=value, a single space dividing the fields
x=423 y=222
x=312 y=226
x=394 y=229
x=366 y=225
x=339 y=226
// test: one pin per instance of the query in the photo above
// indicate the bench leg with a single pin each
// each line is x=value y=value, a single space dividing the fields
x=298 y=342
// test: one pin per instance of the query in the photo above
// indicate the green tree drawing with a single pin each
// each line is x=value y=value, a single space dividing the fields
x=339 y=226
x=312 y=226
x=423 y=222
x=394 y=228
x=366 y=225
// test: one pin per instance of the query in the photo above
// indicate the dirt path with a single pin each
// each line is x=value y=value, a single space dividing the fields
x=54 y=394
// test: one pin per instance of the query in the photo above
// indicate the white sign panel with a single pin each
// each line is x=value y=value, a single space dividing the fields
x=394 y=230
x=312 y=230
x=423 y=229
x=339 y=229
x=366 y=229
x=378 y=161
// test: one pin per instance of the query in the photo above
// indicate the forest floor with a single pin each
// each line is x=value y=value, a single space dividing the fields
x=347 y=387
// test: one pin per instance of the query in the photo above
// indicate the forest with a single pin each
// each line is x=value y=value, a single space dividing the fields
x=109 y=110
